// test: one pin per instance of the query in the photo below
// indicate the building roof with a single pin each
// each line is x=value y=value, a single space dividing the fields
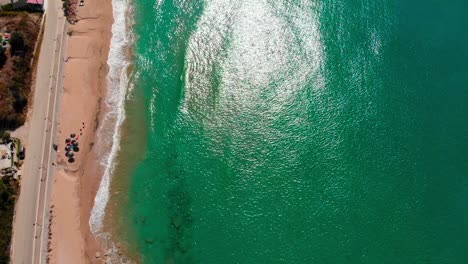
x=5 y=156
x=38 y=2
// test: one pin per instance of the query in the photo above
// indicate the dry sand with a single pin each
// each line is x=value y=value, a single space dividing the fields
x=67 y=243
x=85 y=86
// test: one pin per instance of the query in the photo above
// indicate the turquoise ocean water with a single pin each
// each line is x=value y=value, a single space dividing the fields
x=297 y=132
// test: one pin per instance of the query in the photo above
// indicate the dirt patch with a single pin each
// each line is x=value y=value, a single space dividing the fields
x=22 y=29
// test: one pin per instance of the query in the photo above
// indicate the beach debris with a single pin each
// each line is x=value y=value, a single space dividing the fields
x=72 y=135
x=67 y=140
x=67 y=148
x=71 y=160
x=76 y=149
x=98 y=254
x=75 y=144
x=55 y=147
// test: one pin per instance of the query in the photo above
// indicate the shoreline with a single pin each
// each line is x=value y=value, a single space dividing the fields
x=117 y=223
x=82 y=110
x=119 y=64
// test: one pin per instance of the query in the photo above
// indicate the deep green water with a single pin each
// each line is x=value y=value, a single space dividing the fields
x=300 y=132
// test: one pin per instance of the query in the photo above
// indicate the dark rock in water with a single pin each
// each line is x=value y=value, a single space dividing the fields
x=149 y=240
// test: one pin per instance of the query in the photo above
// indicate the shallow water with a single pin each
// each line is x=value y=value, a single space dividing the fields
x=298 y=132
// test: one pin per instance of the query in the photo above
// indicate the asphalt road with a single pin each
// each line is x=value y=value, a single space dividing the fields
x=29 y=242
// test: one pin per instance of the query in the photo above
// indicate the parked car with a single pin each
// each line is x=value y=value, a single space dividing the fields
x=22 y=153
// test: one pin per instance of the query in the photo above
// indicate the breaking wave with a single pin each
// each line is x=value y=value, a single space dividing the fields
x=119 y=62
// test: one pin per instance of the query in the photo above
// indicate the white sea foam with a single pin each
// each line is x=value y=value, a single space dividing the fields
x=109 y=130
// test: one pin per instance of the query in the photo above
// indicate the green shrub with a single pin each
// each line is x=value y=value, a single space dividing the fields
x=7 y=10
x=6 y=136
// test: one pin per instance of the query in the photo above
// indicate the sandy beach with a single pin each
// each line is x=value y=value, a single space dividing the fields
x=81 y=108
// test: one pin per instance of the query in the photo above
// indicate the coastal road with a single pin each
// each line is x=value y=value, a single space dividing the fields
x=30 y=228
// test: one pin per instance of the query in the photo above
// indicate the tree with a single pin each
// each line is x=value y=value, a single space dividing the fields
x=16 y=43
x=3 y=58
